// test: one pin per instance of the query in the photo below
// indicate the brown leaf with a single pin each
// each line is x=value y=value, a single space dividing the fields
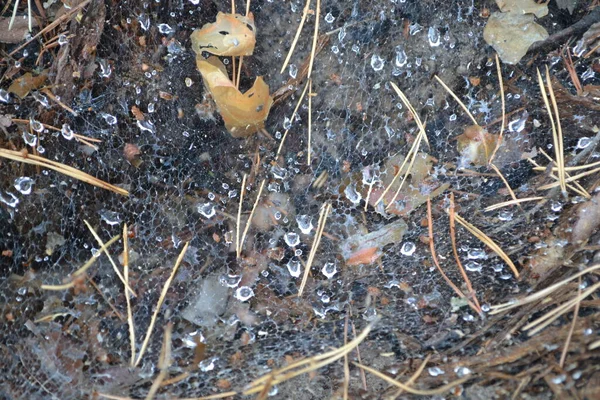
x=27 y=82
x=230 y=35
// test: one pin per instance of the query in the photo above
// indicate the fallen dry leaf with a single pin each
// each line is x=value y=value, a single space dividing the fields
x=26 y=83
x=230 y=35
x=476 y=145
x=366 y=249
x=523 y=7
x=243 y=114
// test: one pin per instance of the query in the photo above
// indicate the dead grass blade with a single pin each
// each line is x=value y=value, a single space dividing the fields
x=437 y=263
x=306 y=365
x=570 y=169
x=316 y=241
x=296 y=37
x=512 y=202
x=556 y=133
x=563 y=356
x=512 y=194
x=406 y=388
x=292 y=119
x=413 y=377
x=130 y=322
x=32 y=159
x=457 y=100
x=238 y=249
x=315 y=37
x=500 y=135
x=577 y=189
x=310 y=94
x=81 y=270
x=114 y=265
x=164 y=362
x=488 y=242
x=570 y=179
x=497 y=309
x=472 y=294
x=260 y=190
x=159 y=304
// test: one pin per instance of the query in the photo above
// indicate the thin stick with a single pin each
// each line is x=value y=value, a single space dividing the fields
x=291 y=51
x=292 y=120
x=238 y=249
x=563 y=356
x=164 y=362
x=555 y=138
x=436 y=262
x=114 y=265
x=57 y=101
x=315 y=37
x=316 y=241
x=32 y=159
x=512 y=194
x=488 y=242
x=161 y=299
x=310 y=94
x=414 y=376
x=512 y=202
x=260 y=190
x=81 y=270
x=501 y=83
x=458 y=100
x=130 y=321
x=91 y=282
x=472 y=293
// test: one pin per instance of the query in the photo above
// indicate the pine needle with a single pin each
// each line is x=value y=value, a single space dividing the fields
x=512 y=194
x=488 y=242
x=457 y=100
x=296 y=37
x=414 y=376
x=130 y=321
x=512 y=202
x=316 y=241
x=161 y=299
x=292 y=119
x=32 y=159
x=315 y=37
x=260 y=190
x=238 y=249
x=164 y=362
x=500 y=135
x=310 y=95
x=563 y=356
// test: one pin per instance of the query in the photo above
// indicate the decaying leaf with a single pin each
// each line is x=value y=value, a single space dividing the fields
x=365 y=249
x=523 y=7
x=27 y=82
x=476 y=145
x=511 y=34
x=243 y=114
x=230 y=35
x=19 y=30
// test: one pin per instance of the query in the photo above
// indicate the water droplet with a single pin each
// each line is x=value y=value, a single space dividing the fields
x=505 y=215
x=10 y=199
x=105 y=69
x=583 y=142
x=278 y=172
x=108 y=118
x=329 y=270
x=62 y=40
x=29 y=139
x=377 y=62
x=292 y=239
x=293 y=70
x=473 y=266
x=555 y=206
x=477 y=254
x=195 y=2
x=415 y=28
x=146 y=125
x=208 y=364
x=95 y=252
x=433 y=35
x=352 y=194
x=43 y=100
x=408 y=248
x=304 y=223
x=435 y=371
x=24 y=184
x=462 y=371
x=230 y=280
x=244 y=293
x=557 y=380
x=110 y=217
x=329 y=18
x=4 y=96
x=36 y=125
x=144 y=20
x=207 y=210
x=67 y=132
x=294 y=267
x=165 y=29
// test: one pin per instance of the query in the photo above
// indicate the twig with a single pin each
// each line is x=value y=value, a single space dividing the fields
x=414 y=376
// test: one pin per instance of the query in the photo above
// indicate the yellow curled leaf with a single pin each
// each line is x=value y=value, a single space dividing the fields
x=243 y=114
x=230 y=35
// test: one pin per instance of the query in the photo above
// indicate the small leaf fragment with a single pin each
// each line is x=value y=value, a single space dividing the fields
x=26 y=83
x=230 y=35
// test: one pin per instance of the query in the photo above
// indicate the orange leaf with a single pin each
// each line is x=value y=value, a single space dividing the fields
x=230 y=35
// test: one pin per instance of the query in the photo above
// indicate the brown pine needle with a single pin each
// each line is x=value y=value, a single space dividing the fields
x=488 y=242
x=512 y=202
x=594 y=345
x=32 y=159
x=570 y=169
x=346 y=383
x=563 y=356
x=436 y=262
x=52 y=97
x=557 y=139
x=315 y=37
x=512 y=194
x=81 y=270
x=213 y=396
x=501 y=83
x=118 y=314
x=570 y=179
x=296 y=37
x=414 y=376
x=406 y=388
x=114 y=265
x=458 y=100
x=238 y=249
x=127 y=295
x=316 y=241
x=577 y=189
x=292 y=119
x=164 y=362
x=310 y=95
x=260 y=190
x=161 y=299
x=472 y=294
x=307 y=365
